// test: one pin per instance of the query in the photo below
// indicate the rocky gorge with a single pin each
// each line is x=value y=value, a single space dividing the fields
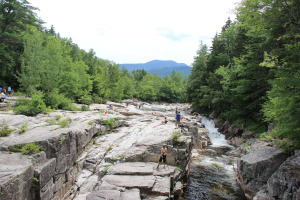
x=111 y=152
x=108 y=152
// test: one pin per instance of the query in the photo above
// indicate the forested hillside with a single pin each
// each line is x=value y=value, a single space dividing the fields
x=251 y=74
x=36 y=60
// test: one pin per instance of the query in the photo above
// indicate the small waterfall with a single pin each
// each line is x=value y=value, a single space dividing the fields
x=216 y=138
x=212 y=175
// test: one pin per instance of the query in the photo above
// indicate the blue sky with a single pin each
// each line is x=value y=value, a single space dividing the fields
x=138 y=31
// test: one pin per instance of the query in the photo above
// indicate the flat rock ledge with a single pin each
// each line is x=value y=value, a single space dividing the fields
x=133 y=180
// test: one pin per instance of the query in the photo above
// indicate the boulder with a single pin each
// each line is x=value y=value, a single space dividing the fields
x=252 y=170
x=285 y=182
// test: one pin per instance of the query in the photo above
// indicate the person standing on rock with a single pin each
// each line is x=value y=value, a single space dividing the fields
x=163 y=156
x=177 y=117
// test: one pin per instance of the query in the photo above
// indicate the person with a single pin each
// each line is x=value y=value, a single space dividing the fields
x=9 y=91
x=4 y=90
x=165 y=120
x=163 y=156
x=2 y=97
x=177 y=117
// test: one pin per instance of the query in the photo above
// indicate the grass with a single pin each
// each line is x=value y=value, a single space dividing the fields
x=108 y=149
x=5 y=130
x=24 y=128
x=90 y=123
x=27 y=149
x=62 y=123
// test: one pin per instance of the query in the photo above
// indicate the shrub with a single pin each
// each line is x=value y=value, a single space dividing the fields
x=176 y=135
x=58 y=101
x=5 y=130
x=97 y=99
x=86 y=99
x=85 y=108
x=27 y=149
x=31 y=107
x=64 y=123
x=31 y=148
x=24 y=128
x=109 y=122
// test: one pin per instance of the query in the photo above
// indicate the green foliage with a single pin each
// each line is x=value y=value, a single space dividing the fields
x=62 y=139
x=27 y=149
x=85 y=108
x=109 y=122
x=4 y=129
x=31 y=148
x=250 y=76
x=31 y=107
x=108 y=149
x=62 y=123
x=90 y=123
x=121 y=157
x=58 y=101
x=176 y=135
x=35 y=182
x=24 y=128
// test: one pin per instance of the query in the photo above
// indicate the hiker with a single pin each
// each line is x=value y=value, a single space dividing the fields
x=163 y=156
x=177 y=117
x=2 y=97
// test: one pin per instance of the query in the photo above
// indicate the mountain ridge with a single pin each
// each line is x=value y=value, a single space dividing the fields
x=159 y=67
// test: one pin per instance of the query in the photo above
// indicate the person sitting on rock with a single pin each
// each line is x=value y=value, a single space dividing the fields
x=165 y=120
x=2 y=97
x=163 y=156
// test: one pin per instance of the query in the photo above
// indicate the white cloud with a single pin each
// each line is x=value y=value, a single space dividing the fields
x=135 y=31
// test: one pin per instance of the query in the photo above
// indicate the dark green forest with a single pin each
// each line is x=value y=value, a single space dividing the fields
x=249 y=76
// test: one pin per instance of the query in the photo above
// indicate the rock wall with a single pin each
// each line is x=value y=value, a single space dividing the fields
x=51 y=173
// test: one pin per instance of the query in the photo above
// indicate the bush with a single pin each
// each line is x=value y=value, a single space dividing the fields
x=31 y=148
x=24 y=128
x=109 y=122
x=97 y=99
x=59 y=101
x=27 y=149
x=86 y=99
x=5 y=130
x=31 y=107
x=176 y=135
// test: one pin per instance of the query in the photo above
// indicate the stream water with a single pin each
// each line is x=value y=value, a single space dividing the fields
x=212 y=175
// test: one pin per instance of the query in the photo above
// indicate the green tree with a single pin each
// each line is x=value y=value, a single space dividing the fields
x=15 y=16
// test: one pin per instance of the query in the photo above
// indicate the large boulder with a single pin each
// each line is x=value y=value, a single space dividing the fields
x=285 y=182
x=257 y=166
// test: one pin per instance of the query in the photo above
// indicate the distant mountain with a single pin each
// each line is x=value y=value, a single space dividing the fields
x=160 y=67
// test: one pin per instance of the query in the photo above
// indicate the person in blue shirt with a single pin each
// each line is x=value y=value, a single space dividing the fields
x=177 y=117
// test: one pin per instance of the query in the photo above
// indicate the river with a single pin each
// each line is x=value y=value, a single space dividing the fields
x=212 y=175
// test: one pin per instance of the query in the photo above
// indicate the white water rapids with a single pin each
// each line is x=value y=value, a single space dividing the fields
x=212 y=174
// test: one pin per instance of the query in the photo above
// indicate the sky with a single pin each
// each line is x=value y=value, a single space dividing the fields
x=137 y=31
